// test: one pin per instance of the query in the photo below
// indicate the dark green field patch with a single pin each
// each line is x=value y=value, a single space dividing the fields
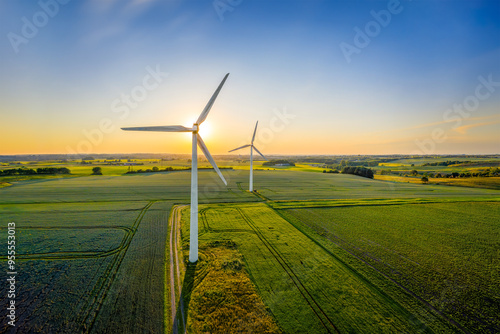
x=73 y=242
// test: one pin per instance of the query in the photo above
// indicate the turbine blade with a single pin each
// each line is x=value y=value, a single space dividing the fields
x=240 y=147
x=262 y=155
x=255 y=131
x=210 y=103
x=170 y=128
x=204 y=148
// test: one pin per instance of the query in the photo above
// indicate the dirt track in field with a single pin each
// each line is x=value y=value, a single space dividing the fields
x=174 y=224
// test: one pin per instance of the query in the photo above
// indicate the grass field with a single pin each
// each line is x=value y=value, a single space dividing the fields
x=310 y=252
x=443 y=254
x=472 y=182
x=308 y=288
x=289 y=185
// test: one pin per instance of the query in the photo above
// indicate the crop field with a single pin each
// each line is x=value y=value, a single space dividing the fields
x=308 y=252
x=422 y=160
x=291 y=185
x=70 y=261
x=312 y=288
x=473 y=182
x=93 y=243
x=318 y=271
x=443 y=254
x=170 y=186
x=96 y=243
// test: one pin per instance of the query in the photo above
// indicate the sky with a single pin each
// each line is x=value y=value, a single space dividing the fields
x=320 y=76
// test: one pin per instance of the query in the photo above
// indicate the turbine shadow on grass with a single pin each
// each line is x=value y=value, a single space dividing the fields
x=182 y=311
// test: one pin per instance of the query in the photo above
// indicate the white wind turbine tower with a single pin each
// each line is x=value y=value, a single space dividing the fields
x=197 y=141
x=252 y=147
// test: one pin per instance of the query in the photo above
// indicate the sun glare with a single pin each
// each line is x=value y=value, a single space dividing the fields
x=205 y=130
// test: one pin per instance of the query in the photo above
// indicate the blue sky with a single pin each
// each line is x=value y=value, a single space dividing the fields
x=59 y=83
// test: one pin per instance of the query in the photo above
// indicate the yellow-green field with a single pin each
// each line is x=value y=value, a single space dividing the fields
x=474 y=182
x=307 y=253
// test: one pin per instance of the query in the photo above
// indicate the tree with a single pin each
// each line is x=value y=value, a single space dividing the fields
x=64 y=170
x=155 y=169
x=361 y=171
x=414 y=172
x=425 y=179
x=96 y=171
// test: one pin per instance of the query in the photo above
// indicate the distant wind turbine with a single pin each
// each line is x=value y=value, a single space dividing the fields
x=197 y=141
x=252 y=147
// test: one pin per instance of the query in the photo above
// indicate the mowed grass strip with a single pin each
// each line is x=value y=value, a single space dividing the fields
x=220 y=297
x=446 y=254
x=306 y=289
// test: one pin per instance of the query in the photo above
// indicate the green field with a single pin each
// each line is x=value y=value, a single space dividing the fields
x=368 y=268
x=96 y=243
x=324 y=253
x=443 y=254
x=78 y=254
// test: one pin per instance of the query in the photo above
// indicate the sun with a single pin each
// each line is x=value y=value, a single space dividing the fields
x=205 y=128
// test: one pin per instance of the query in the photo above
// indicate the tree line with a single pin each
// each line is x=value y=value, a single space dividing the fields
x=446 y=163
x=167 y=169
x=38 y=171
x=155 y=170
x=490 y=172
x=278 y=162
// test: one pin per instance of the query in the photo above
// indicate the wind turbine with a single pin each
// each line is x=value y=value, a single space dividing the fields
x=197 y=141
x=252 y=147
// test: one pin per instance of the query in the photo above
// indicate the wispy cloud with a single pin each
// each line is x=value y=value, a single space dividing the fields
x=463 y=129
x=111 y=18
x=434 y=124
x=427 y=125
x=136 y=7
x=100 y=7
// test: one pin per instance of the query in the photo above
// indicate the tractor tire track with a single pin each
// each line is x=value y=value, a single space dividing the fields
x=204 y=220
x=240 y=187
x=371 y=285
x=315 y=307
x=88 y=314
